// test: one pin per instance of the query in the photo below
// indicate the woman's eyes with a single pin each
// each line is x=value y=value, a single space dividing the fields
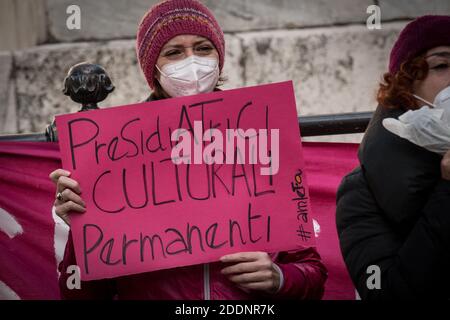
x=172 y=53
x=204 y=49
x=440 y=66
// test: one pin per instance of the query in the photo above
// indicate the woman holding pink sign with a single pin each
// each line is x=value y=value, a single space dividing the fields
x=181 y=50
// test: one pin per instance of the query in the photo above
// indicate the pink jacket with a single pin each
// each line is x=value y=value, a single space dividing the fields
x=303 y=272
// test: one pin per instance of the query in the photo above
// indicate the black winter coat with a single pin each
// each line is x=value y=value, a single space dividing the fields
x=393 y=211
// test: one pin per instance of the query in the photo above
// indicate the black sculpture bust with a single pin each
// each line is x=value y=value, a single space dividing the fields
x=87 y=84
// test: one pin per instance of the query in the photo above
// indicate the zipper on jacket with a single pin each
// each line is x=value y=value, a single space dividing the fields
x=206 y=286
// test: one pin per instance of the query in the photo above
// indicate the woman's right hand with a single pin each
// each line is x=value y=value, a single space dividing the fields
x=445 y=166
x=70 y=200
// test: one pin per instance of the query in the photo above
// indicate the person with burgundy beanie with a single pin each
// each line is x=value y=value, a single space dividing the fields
x=393 y=210
x=181 y=50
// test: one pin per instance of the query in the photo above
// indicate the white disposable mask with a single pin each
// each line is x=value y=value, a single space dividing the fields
x=441 y=100
x=190 y=76
x=426 y=127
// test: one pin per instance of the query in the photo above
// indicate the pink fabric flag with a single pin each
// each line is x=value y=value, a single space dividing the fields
x=28 y=266
x=31 y=240
x=326 y=165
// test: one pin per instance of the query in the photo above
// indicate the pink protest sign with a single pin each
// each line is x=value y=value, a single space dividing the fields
x=184 y=181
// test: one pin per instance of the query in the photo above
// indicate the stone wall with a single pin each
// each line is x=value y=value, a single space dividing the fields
x=325 y=47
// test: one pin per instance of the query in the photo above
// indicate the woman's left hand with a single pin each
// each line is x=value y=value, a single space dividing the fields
x=252 y=270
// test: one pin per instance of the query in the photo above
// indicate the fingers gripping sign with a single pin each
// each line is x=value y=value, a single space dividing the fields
x=68 y=195
x=252 y=271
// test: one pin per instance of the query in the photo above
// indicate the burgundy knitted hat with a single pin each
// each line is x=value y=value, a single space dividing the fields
x=171 y=18
x=417 y=37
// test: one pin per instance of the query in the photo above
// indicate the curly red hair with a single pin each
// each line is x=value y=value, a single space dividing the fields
x=396 y=92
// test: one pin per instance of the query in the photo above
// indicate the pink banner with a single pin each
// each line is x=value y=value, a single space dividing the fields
x=31 y=247
x=28 y=258
x=158 y=197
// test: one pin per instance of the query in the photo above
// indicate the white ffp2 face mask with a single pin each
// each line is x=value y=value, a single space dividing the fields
x=190 y=76
x=426 y=127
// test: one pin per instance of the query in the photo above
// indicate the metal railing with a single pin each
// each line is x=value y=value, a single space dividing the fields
x=310 y=126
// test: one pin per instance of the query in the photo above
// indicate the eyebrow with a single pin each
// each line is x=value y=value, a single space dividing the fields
x=445 y=54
